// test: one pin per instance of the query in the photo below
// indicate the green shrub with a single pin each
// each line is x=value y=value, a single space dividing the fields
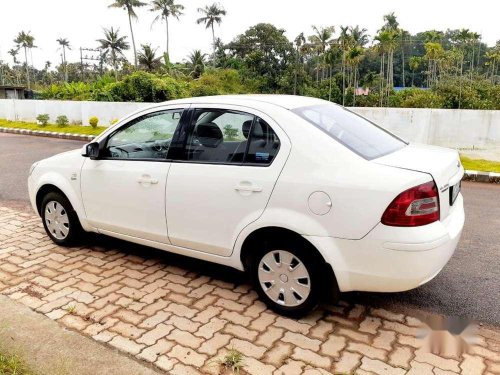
x=62 y=121
x=43 y=119
x=93 y=121
x=146 y=87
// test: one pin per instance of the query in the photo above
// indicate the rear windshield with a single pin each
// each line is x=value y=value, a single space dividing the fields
x=353 y=131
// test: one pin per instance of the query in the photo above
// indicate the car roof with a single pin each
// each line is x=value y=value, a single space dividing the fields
x=258 y=100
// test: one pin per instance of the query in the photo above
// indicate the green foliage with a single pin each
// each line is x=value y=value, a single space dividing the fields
x=93 y=121
x=416 y=98
x=146 y=87
x=62 y=121
x=43 y=119
x=218 y=82
x=468 y=94
x=13 y=365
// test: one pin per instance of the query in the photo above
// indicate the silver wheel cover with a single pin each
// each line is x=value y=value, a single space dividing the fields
x=56 y=220
x=284 y=278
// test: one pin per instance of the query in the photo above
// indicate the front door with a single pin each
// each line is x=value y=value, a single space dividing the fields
x=124 y=190
x=224 y=178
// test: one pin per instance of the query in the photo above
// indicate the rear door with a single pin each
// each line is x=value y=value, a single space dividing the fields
x=223 y=176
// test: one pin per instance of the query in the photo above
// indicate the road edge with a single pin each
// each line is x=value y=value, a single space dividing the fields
x=49 y=348
x=44 y=133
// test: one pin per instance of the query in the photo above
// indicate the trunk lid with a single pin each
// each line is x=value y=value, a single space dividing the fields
x=441 y=163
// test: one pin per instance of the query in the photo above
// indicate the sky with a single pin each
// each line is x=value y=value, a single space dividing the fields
x=82 y=21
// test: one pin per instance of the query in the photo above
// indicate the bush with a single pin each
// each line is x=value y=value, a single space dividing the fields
x=93 y=121
x=146 y=87
x=418 y=98
x=43 y=119
x=62 y=121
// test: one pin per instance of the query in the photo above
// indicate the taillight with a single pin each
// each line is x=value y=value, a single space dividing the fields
x=414 y=207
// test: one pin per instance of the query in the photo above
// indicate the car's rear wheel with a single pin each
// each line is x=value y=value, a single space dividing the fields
x=60 y=219
x=287 y=278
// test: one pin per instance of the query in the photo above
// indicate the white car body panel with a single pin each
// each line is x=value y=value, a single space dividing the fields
x=194 y=209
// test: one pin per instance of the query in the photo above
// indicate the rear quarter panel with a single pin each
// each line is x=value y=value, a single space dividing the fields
x=360 y=190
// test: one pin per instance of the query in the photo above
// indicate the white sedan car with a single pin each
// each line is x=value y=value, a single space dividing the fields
x=307 y=197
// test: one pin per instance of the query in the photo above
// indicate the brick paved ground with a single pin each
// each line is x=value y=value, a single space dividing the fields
x=182 y=320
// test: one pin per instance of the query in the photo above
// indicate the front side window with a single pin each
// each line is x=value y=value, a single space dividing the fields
x=356 y=133
x=147 y=137
x=230 y=137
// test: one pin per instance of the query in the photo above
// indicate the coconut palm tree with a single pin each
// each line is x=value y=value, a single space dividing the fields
x=64 y=43
x=129 y=6
x=196 y=63
x=112 y=47
x=147 y=58
x=166 y=8
x=211 y=14
x=26 y=41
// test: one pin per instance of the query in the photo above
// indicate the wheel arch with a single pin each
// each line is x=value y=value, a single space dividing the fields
x=275 y=233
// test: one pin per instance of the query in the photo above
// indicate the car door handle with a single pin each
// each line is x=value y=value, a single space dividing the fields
x=248 y=188
x=147 y=180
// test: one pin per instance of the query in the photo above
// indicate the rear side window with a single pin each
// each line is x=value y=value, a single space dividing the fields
x=355 y=132
x=230 y=137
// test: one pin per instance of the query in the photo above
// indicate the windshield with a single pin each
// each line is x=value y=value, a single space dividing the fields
x=353 y=131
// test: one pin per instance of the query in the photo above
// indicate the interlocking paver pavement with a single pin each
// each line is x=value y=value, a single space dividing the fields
x=183 y=320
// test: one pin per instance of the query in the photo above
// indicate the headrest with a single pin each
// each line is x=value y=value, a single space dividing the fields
x=259 y=129
x=209 y=134
x=245 y=128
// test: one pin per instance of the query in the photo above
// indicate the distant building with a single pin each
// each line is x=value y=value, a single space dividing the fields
x=362 y=91
x=12 y=92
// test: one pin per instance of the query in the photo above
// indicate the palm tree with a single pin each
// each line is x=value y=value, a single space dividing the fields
x=344 y=41
x=196 y=63
x=64 y=43
x=166 y=8
x=14 y=52
x=321 y=39
x=211 y=14
x=129 y=6
x=414 y=64
x=147 y=58
x=26 y=41
x=299 y=41
x=112 y=46
x=354 y=57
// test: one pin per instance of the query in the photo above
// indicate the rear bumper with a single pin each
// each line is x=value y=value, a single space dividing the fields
x=392 y=259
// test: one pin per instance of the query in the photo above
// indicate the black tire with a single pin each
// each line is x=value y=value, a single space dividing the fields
x=312 y=262
x=74 y=228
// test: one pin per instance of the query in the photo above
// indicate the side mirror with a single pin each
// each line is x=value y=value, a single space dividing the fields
x=91 y=150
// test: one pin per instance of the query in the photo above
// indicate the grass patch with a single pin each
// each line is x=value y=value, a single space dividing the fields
x=480 y=164
x=13 y=365
x=73 y=129
x=233 y=361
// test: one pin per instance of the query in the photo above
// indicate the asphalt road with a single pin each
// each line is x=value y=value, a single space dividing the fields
x=469 y=285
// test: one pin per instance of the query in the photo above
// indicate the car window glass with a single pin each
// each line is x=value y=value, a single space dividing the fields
x=148 y=137
x=263 y=144
x=353 y=131
x=218 y=135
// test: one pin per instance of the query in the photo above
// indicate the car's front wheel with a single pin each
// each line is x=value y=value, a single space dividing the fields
x=60 y=220
x=287 y=278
